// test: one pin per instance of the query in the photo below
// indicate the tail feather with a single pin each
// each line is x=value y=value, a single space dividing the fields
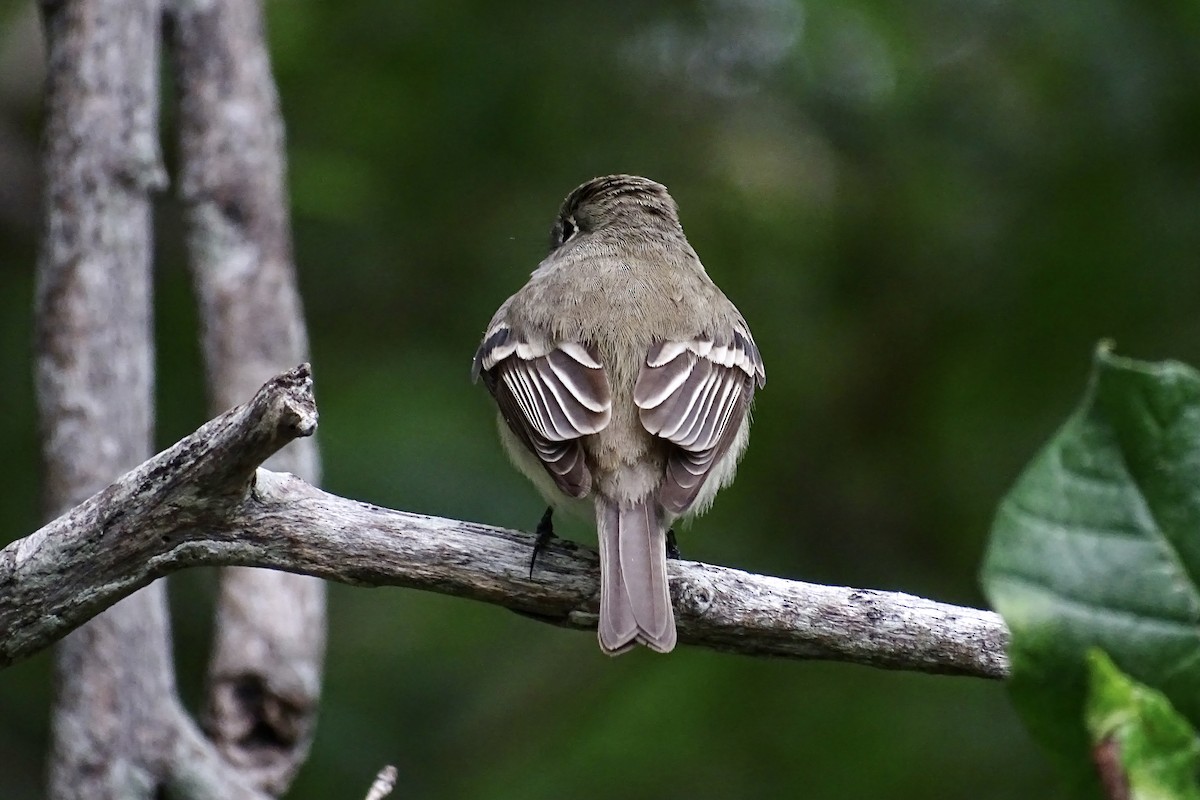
x=618 y=627
x=635 y=599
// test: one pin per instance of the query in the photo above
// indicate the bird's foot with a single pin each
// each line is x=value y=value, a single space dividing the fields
x=545 y=532
x=672 y=546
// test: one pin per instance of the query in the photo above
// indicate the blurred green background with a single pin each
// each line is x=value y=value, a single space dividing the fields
x=929 y=212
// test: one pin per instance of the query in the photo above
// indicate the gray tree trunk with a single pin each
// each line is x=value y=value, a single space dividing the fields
x=264 y=677
x=94 y=366
x=118 y=729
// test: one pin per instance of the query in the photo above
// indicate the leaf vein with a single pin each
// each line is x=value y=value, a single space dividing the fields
x=1192 y=625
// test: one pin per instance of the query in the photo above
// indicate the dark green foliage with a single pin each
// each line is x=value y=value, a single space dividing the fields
x=1097 y=545
x=928 y=212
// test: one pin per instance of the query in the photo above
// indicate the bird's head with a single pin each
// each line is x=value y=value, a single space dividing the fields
x=639 y=203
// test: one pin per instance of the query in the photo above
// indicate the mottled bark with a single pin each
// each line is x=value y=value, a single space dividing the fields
x=101 y=162
x=140 y=528
x=94 y=363
x=118 y=730
x=269 y=635
x=194 y=484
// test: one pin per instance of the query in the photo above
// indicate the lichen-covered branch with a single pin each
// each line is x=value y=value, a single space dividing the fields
x=268 y=648
x=57 y=578
x=178 y=510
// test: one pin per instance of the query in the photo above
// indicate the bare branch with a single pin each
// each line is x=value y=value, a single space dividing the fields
x=269 y=638
x=176 y=511
x=195 y=483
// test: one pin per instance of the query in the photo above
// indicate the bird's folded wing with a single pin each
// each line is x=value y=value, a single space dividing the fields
x=695 y=395
x=549 y=396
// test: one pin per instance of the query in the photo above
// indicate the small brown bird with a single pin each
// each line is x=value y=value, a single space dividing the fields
x=624 y=379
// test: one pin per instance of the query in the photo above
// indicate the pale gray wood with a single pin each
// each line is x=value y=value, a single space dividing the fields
x=264 y=676
x=384 y=783
x=93 y=367
x=190 y=506
x=118 y=730
x=92 y=341
x=143 y=516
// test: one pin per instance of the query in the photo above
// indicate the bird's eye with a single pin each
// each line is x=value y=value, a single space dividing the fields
x=568 y=230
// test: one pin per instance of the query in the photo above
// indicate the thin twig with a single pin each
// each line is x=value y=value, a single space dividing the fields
x=384 y=783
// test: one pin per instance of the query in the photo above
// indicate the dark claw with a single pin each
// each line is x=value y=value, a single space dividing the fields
x=672 y=545
x=545 y=532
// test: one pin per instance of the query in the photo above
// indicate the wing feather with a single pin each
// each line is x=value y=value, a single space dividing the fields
x=695 y=395
x=550 y=397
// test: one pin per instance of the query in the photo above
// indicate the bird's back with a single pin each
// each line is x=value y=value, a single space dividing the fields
x=600 y=294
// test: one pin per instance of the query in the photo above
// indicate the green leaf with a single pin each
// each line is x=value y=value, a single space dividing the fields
x=1147 y=746
x=1098 y=544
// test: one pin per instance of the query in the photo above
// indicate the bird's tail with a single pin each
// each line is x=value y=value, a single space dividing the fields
x=635 y=601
